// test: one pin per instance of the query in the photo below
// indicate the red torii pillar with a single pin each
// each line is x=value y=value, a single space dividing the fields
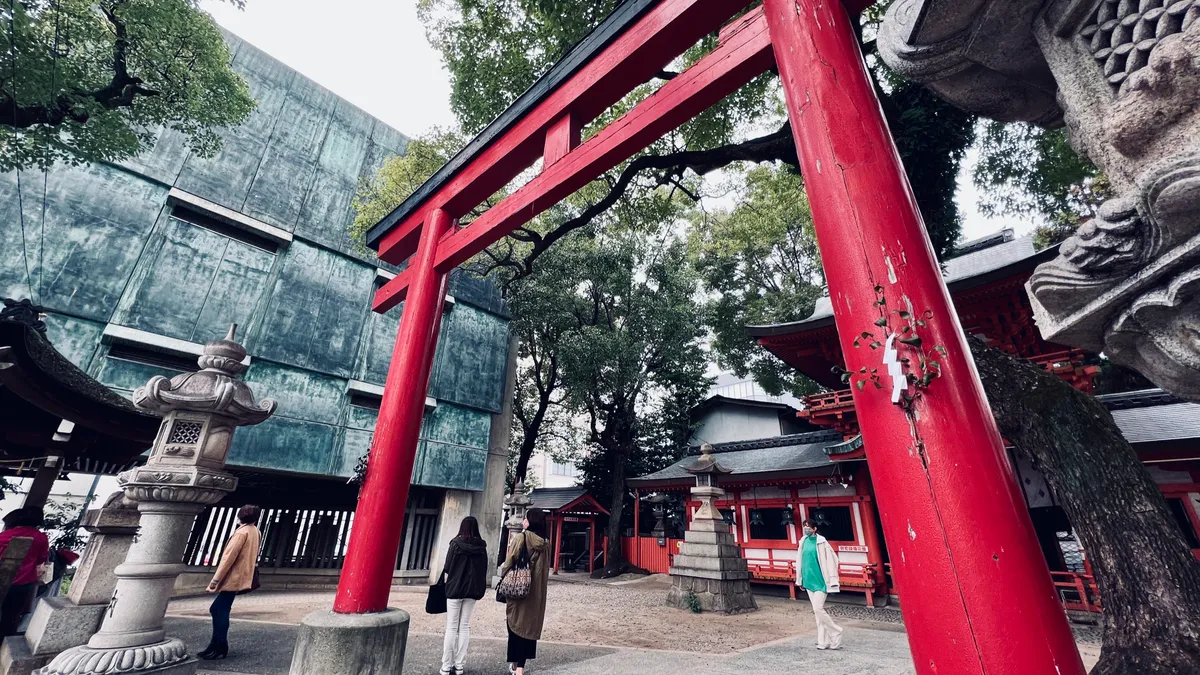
x=370 y=562
x=977 y=596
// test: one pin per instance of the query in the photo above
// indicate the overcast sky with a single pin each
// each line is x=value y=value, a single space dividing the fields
x=374 y=54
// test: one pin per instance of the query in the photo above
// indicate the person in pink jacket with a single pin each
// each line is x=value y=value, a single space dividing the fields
x=817 y=573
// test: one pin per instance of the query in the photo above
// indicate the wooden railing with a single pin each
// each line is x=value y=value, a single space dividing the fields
x=841 y=398
x=1078 y=592
x=313 y=539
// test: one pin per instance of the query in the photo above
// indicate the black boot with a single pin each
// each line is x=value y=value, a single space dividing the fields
x=213 y=653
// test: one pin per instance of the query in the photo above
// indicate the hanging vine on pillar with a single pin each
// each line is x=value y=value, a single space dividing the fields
x=918 y=367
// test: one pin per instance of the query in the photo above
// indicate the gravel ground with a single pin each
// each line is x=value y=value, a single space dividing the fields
x=630 y=615
x=626 y=613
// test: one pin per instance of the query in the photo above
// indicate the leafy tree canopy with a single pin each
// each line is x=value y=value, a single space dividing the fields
x=86 y=81
x=760 y=264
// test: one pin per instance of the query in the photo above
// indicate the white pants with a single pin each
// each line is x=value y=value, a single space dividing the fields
x=458 y=633
x=829 y=634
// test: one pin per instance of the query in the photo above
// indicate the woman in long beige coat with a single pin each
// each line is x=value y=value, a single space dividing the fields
x=235 y=574
x=525 y=616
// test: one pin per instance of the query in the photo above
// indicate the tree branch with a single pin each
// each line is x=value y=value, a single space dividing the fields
x=777 y=146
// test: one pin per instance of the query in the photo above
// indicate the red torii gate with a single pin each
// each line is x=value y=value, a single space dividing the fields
x=977 y=595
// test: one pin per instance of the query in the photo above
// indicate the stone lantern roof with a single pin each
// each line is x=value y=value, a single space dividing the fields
x=707 y=464
x=214 y=389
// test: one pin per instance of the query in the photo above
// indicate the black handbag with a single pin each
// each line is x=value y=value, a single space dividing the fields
x=435 y=602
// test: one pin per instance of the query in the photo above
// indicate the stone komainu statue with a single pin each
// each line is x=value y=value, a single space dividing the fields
x=1123 y=76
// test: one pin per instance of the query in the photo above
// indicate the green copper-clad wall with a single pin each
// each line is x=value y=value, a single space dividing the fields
x=139 y=262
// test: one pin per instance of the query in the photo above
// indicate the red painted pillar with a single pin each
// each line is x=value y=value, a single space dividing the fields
x=977 y=596
x=637 y=527
x=592 y=545
x=558 y=534
x=862 y=486
x=375 y=538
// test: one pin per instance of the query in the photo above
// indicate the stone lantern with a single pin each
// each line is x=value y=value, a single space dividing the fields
x=183 y=475
x=709 y=571
x=517 y=504
x=1123 y=77
x=659 y=505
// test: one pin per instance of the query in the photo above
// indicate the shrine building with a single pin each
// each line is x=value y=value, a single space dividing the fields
x=793 y=464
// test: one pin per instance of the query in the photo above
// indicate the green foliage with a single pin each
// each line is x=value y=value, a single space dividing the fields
x=1026 y=170
x=633 y=358
x=62 y=522
x=399 y=177
x=760 y=265
x=692 y=602
x=932 y=138
x=87 y=81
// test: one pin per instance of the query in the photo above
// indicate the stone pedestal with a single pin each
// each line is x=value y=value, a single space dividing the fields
x=112 y=529
x=60 y=623
x=351 y=644
x=710 y=566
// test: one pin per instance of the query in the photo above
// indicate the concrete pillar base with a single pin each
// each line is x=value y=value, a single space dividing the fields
x=351 y=644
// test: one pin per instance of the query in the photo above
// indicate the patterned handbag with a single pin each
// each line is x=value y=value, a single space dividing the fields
x=517 y=580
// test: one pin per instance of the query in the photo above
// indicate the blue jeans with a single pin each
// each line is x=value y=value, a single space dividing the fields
x=220 y=616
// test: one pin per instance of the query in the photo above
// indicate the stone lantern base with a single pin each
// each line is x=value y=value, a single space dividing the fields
x=728 y=596
x=710 y=568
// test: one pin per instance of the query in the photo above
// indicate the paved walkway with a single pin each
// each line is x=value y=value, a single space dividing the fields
x=258 y=648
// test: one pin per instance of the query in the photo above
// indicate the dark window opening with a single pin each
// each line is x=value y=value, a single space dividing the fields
x=199 y=219
x=1179 y=510
x=145 y=356
x=362 y=400
x=835 y=523
x=772 y=525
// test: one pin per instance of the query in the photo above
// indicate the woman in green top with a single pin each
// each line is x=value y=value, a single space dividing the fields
x=817 y=573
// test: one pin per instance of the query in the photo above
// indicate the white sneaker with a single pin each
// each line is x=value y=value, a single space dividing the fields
x=822 y=646
x=837 y=643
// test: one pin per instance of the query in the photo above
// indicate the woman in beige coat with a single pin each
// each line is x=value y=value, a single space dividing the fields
x=525 y=616
x=235 y=574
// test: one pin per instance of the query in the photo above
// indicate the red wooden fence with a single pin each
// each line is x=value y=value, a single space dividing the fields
x=654 y=558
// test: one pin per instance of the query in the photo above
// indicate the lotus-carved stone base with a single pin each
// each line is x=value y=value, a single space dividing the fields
x=169 y=657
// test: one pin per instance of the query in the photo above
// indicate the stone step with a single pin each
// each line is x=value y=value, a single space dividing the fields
x=705 y=563
x=710 y=550
x=17 y=659
x=697 y=537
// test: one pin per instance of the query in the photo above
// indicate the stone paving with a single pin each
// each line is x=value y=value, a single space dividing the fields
x=620 y=628
x=265 y=649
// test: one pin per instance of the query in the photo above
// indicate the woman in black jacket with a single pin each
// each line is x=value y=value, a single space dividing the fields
x=466 y=573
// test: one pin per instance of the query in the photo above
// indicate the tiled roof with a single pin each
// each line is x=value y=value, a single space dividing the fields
x=825 y=436
x=960 y=273
x=1137 y=399
x=1153 y=424
x=798 y=452
x=549 y=499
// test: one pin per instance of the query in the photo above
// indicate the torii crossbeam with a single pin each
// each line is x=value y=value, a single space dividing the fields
x=977 y=597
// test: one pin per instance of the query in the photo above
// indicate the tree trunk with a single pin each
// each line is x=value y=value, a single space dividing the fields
x=614 y=560
x=1148 y=579
x=527 y=443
